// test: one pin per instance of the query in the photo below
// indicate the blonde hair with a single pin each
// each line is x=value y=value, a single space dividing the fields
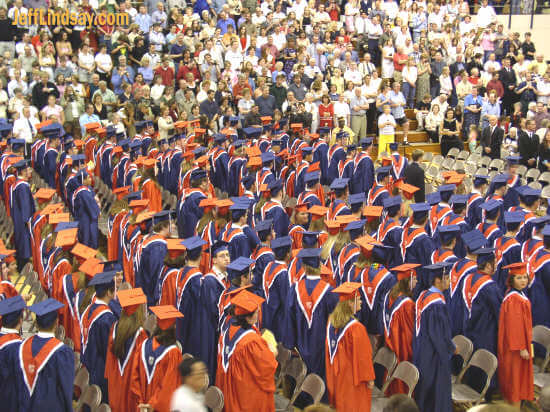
x=127 y=327
x=341 y=315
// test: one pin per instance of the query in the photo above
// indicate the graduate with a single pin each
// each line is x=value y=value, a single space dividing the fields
x=399 y=162
x=398 y=317
x=513 y=181
x=346 y=166
x=44 y=372
x=497 y=190
x=535 y=243
x=337 y=153
x=188 y=289
x=390 y=231
x=263 y=254
x=308 y=306
x=515 y=334
x=86 y=211
x=50 y=157
x=313 y=195
x=348 y=357
x=457 y=216
x=166 y=291
x=213 y=285
x=219 y=161
x=22 y=209
x=123 y=352
x=275 y=287
x=475 y=199
x=432 y=344
x=150 y=187
x=363 y=173
x=538 y=290
x=529 y=201
x=379 y=191
x=234 y=234
x=274 y=210
x=351 y=251
x=155 y=374
x=448 y=236
x=153 y=250
x=490 y=217
x=416 y=245
x=482 y=299
x=11 y=310
x=246 y=362
x=188 y=210
x=96 y=323
x=118 y=212
x=338 y=205
x=507 y=248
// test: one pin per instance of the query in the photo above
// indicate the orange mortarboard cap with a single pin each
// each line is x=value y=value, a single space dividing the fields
x=254 y=161
x=101 y=130
x=333 y=226
x=175 y=248
x=83 y=251
x=202 y=161
x=408 y=190
x=345 y=219
x=208 y=202
x=131 y=299
x=117 y=149
x=56 y=218
x=314 y=167
x=91 y=266
x=366 y=243
x=14 y=159
x=223 y=206
x=3 y=143
x=301 y=207
x=405 y=270
x=314 y=136
x=456 y=179
x=181 y=124
x=296 y=126
x=51 y=209
x=200 y=132
x=372 y=212
x=43 y=124
x=143 y=216
x=448 y=174
x=149 y=163
x=246 y=302
x=347 y=290
x=44 y=195
x=166 y=315
x=92 y=126
x=188 y=155
x=66 y=237
x=266 y=119
x=78 y=142
x=519 y=268
x=252 y=151
x=139 y=205
x=120 y=192
x=317 y=212
x=386 y=161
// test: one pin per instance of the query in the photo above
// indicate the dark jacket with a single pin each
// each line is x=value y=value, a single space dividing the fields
x=414 y=175
x=528 y=147
x=493 y=140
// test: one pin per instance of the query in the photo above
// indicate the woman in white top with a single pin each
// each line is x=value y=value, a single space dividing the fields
x=46 y=59
x=311 y=107
x=386 y=127
x=410 y=74
x=433 y=123
x=103 y=62
x=245 y=103
x=387 y=60
x=86 y=64
x=165 y=123
x=157 y=89
x=341 y=109
x=445 y=81
x=351 y=11
x=543 y=87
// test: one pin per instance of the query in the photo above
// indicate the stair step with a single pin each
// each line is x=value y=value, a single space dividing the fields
x=410 y=114
x=427 y=147
x=413 y=137
x=413 y=124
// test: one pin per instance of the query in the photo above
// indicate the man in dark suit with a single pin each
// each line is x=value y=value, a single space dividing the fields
x=457 y=66
x=491 y=138
x=528 y=144
x=508 y=78
x=414 y=175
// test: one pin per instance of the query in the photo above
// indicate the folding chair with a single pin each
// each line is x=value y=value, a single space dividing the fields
x=521 y=170
x=541 y=335
x=535 y=185
x=103 y=408
x=453 y=153
x=407 y=373
x=484 y=161
x=437 y=160
x=314 y=387
x=386 y=358
x=478 y=150
x=213 y=399
x=283 y=357
x=459 y=165
x=462 y=393
x=293 y=377
x=482 y=171
x=463 y=155
x=532 y=174
x=81 y=381
x=448 y=163
x=427 y=157
x=546 y=192
x=464 y=349
x=91 y=398
x=470 y=169
x=544 y=178
x=496 y=164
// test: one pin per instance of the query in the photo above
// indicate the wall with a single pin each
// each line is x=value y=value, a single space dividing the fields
x=540 y=30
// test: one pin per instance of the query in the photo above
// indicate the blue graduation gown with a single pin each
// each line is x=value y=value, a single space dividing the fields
x=219 y=168
x=363 y=175
x=508 y=251
x=262 y=256
x=491 y=231
x=235 y=174
x=320 y=150
x=456 y=304
x=39 y=163
x=238 y=244
x=121 y=165
x=98 y=320
x=189 y=212
x=22 y=210
x=9 y=352
x=151 y=260
x=87 y=213
x=50 y=165
x=275 y=287
x=390 y=233
x=335 y=154
x=417 y=247
x=106 y=169
x=538 y=290
x=211 y=291
x=432 y=351
x=275 y=211
x=346 y=259
x=309 y=304
x=511 y=198
x=338 y=207
x=188 y=303
x=52 y=387
x=473 y=211
x=175 y=167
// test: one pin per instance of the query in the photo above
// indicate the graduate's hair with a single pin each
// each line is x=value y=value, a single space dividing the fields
x=118 y=206
x=317 y=225
x=13 y=324
x=363 y=261
x=484 y=264
x=102 y=292
x=328 y=245
x=204 y=220
x=240 y=320
x=420 y=219
x=165 y=337
x=186 y=165
x=161 y=225
x=90 y=291
x=258 y=208
x=186 y=366
x=512 y=227
x=310 y=270
x=342 y=239
x=448 y=243
x=402 y=403
x=197 y=182
x=372 y=225
x=402 y=287
x=458 y=209
x=177 y=262
x=126 y=328
x=341 y=314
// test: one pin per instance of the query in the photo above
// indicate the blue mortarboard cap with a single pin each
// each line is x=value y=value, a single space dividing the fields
x=545 y=232
x=351 y=148
x=5 y=128
x=514 y=217
x=341 y=135
x=324 y=130
x=139 y=125
x=280 y=244
x=133 y=196
x=539 y=222
x=459 y=200
x=392 y=202
x=383 y=171
x=17 y=143
x=247 y=181
x=480 y=180
x=22 y=164
x=393 y=146
x=381 y=252
x=528 y=194
x=112 y=266
x=199 y=151
x=66 y=226
x=357 y=198
x=365 y=142
x=474 y=240
x=448 y=232
x=433 y=198
x=264 y=225
x=419 y=208
x=484 y=254
x=267 y=127
x=310 y=257
x=312 y=177
x=239 y=267
x=163 y=141
x=78 y=158
x=276 y=142
x=446 y=188
x=356 y=225
x=306 y=150
x=110 y=131
x=436 y=270
x=46 y=311
x=339 y=184
x=219 y=137
x=103 y=281
x=239 y=209
x=267 y=157
x=198 y=174
x=238 y=143
x=11 y=309
x=234 y=119
x=490 y=205
x=275 y=186
x=252 y=132
x=124 y=143
x=499 y=180
x=194 y=242
x=309 y=239
x=513 y=160
x=135 y=145
x=218 y=247
x=283 y=122
x=161 y=216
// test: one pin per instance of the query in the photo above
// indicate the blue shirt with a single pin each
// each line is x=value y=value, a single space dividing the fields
x=399 y=111
x=144 y=22
x=85 y=119
x=489 y=109
x=222 y=25
x=470 y=100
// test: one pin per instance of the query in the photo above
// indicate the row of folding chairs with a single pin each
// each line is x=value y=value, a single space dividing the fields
x=88 y=395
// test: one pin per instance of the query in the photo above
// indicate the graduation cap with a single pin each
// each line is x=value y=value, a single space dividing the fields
x=433 y=198
x=144 y=217
x=67 y=237
x=91 y=266
x=341 y=135
x=162 y=216
x=372 y=212
x=199 y=151
x=380 y=252
x=481 y=180
x=309 y=238
x=513 y=160
x=194 y=246
x=198 y=174
x=420 y=209
x=519 y=268
x=546 y=231
x=539 y=222
x=281 y=246
x=78 y=159
x=139 y=205
x=252 y=132
x=44 y=195
x=499 y=181
x=491 y=207
x=405 y=270
x=61 y=226
x=11 y=309
x=446 y=191
x=267 y=157
x=218 y=247
x=317 y=212
x=22 y=164
x=46 y=312
x=103 y=281
x=239 y=209
x=223 y=206
x=239 y=267
x=355 y=228
x=392 y=204
x=324 y=130
x=140 y=125
x=267 y=127
x=166 y=315
x=366 y=243
x=110 y=131
x=233 y=120
x=312 y=177
x=264 y=226
x=437 y=270
x=339 y=185
x=484 y=254
x=528 y=195
x=351 y=148
x=459 y=200
x=275 y=186
x=131 y=299
x=365 y=142
x=513 y=218
x=56 y=218
x=473 y=240
x=347 y=290
x=382 y=172
x=5 y=129
x=408 y=190
x=121 y=192
x=357 y=199
x=92 y=127
x=448 y=232
x=456 y=179
x=306 y=150
x=311 y=257
x=83 y=252
x=245 y=302
x=112 y=266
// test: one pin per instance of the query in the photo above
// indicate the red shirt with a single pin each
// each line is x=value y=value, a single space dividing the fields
x=396 y=58
x=167 y=75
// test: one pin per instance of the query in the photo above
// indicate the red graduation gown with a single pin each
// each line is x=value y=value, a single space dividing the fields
x=348 y=361
x=119 y=372
x=155 y=385
x=515 y=332
x=152 y=192
x=246 y=370
x=113 y=240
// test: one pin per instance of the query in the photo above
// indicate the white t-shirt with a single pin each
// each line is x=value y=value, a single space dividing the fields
x=185 y=400
x=341 y=109
x=104 y=60
x=389 y=129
